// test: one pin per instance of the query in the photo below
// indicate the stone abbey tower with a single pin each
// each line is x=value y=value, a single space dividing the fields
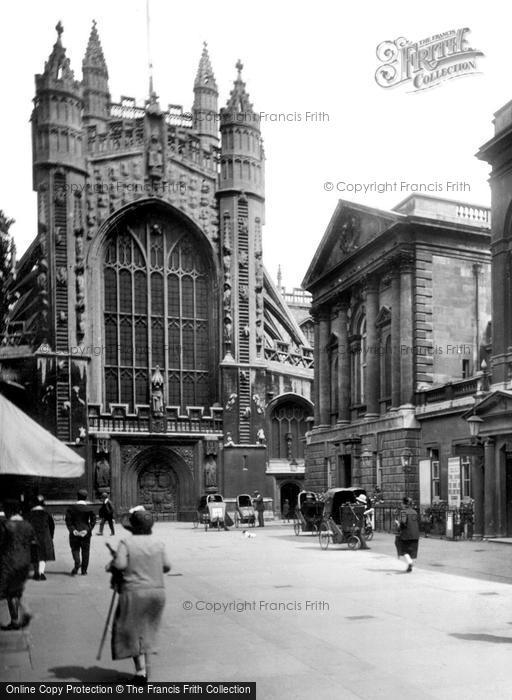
x=143 y=325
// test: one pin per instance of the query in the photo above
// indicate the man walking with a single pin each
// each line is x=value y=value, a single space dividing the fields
x=259 y=506
x=408 y=534
x=106 y=514
x=80 y=521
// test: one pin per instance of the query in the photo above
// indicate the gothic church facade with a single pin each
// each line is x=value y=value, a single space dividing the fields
x=144 y=327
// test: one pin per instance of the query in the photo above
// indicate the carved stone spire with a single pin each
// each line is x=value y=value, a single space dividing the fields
x=57 y=70
x=239 y=98
x=95 y=81
x=206 y=102
x=94 y=57
x=204 y=75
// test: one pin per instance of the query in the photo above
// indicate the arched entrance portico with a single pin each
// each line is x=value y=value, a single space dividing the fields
x=290 y=492
x=160 y=480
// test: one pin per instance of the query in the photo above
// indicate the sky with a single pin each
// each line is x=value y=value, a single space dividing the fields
x=298 y=57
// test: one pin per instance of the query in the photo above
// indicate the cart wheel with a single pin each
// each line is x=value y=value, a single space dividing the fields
x=296 y=527
x=314 y=529
x=237 y=520
x=353 y=542
x=368 y=535
x=324 y=535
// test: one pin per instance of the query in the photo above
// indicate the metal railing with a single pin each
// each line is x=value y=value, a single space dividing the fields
x=432 y=519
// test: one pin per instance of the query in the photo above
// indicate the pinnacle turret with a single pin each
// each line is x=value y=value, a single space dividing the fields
x=204 y=76
x=239 y=102
x=95 y=81
x=205 y=109
x=94 y=57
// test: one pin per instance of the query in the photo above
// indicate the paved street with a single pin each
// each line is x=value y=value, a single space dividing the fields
x=355 y=626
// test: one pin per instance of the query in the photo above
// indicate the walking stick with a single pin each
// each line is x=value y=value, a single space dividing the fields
x=107 y=622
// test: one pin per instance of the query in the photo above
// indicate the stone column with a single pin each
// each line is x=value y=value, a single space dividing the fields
x=372 y=383
x=343 y=364
x=395 y=338
x=407 y=359
x=324 y=374
x=316 y=365
x=489 y=489
x=477 y=477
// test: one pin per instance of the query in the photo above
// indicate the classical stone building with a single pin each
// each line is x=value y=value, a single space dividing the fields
x=401 y=309
x=144 y=327
x=492 y=415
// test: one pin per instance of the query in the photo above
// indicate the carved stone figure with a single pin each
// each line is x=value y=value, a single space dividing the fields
x=155 y=158
x=260 y=437
x=157 y=395
x=231 y=401
x=210 y=471
x=102 y=473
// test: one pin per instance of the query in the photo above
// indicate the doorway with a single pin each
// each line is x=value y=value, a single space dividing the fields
x=290 y=492
x=344 y=471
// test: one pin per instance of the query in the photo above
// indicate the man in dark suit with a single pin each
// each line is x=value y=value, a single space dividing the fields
x=259 y=507
x=106 y=514
x=80 y=521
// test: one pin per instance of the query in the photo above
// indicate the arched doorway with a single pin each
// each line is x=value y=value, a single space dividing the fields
x=158 y=478
x=158 y=488
x=289 y=491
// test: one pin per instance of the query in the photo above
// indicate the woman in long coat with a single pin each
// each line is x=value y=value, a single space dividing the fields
x=44 y=527
x=16 y=541
x=138 y=567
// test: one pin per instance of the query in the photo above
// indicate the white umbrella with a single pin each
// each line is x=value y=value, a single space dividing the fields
x=28 y=449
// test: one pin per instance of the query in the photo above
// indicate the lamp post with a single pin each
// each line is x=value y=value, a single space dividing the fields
x=474 y=423
x=406 y=460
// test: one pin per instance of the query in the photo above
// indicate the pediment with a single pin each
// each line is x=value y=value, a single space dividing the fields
x=352 y=226
x=496 y=404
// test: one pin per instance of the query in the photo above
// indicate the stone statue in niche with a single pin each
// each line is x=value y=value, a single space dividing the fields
x=102 y=473
x=231 y=401
x=228 y=329
x=260 y=437
x=62 y=276
x=155 y=157
x=210 y=471
x=157 y=395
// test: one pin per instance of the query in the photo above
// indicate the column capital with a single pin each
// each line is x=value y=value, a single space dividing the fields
x=400 y=262
x=320 y=313
x=371 y=284
x=342 y=303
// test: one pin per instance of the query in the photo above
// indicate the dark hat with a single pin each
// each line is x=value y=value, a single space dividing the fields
x=82 y=494
x=140 y=522
x=255 y=493
x=104 y=495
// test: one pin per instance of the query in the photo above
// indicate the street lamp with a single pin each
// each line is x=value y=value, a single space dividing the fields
x=406 y=459
x=475 y=423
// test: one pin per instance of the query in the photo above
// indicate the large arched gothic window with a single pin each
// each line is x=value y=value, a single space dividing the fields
x=157 y=312
x=287 y=430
